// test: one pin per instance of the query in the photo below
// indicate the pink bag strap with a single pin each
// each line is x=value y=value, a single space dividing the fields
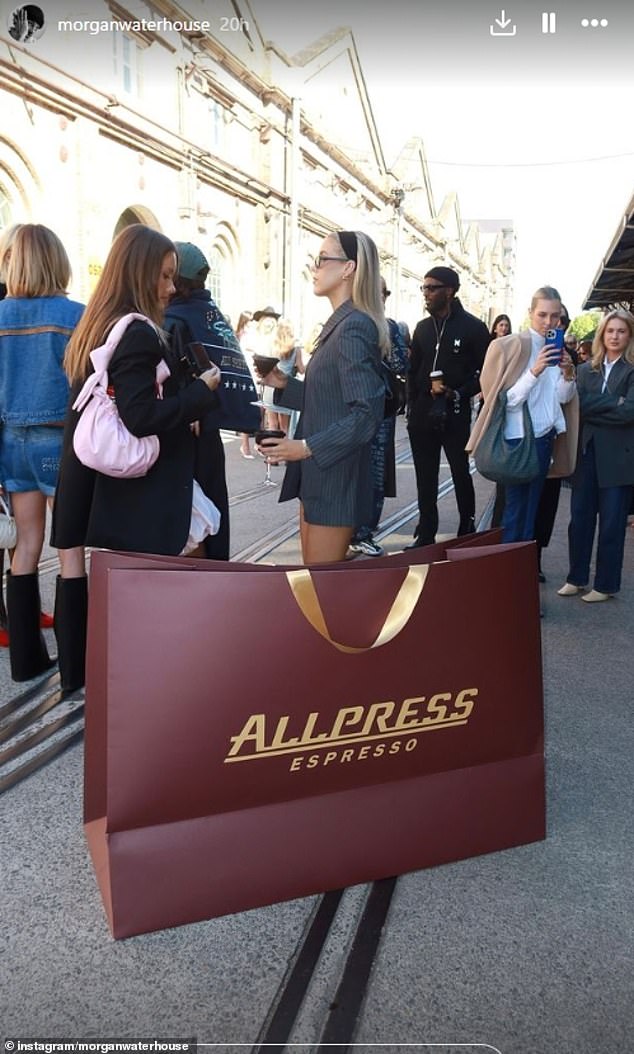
x=100 y=358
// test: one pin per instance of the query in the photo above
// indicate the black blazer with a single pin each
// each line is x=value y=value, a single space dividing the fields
x=150 y=514
x=608 y=420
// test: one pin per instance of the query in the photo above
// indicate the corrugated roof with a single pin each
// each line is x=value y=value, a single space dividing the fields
x=613 y=283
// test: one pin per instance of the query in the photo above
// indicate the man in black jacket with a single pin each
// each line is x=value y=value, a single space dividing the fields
x=454 y=342
x=193 y=316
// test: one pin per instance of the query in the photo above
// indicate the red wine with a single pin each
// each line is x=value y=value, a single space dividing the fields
x=268 y=433
x=264 y=363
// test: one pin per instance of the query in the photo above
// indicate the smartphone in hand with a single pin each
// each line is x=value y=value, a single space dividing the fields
x=556 y=338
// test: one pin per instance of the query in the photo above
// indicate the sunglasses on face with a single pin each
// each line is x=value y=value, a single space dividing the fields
x=432 y=288
x=322 y=259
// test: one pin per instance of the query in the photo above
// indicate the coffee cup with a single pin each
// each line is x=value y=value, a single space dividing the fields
x=436 y=381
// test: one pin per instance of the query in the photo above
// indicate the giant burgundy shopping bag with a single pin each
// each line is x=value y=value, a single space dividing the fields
x=102 y=562
x=380 y=720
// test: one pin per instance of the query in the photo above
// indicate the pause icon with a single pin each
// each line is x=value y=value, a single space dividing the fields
x=549 y=22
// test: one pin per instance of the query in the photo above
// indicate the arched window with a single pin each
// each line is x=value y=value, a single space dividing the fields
x=136 y=214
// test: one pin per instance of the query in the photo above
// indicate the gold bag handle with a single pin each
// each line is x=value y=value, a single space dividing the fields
x=305 y=595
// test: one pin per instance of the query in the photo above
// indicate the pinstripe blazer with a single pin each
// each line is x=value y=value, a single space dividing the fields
x=342 y=400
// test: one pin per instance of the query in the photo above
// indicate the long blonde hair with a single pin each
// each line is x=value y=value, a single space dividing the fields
x=36 y=262
x=598 y=350
x=366 y=286
x=284 y=341
x=128 y=282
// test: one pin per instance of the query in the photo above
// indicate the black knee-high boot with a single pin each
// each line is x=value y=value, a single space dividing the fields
x=28 y=653
x=71 y=615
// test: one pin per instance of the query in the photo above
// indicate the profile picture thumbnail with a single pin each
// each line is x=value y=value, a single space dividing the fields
x=26 y=23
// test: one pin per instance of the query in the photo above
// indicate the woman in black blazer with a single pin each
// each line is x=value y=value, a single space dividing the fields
x=603 y=479
x=342 y=401
x=152 y=513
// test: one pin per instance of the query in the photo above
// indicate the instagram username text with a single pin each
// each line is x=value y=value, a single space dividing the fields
x=98 y=1046
x=140 y=25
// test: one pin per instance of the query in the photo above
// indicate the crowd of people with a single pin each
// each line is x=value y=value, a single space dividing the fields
x=330 y=416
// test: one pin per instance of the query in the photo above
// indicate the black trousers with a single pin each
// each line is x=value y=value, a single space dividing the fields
x=210 y=473
x=546 y=512
x=426 y=449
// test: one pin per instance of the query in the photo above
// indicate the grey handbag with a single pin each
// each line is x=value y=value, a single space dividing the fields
x=504 y=461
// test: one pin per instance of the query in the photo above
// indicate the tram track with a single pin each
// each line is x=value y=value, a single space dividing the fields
x=340 y=1018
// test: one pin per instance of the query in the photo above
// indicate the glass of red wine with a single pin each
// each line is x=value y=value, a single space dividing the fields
x=264 y=364
x=268 y=433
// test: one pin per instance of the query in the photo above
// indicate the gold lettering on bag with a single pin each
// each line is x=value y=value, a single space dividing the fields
x=278 y=737
x=378 y=714
x=253 y=732
x=350 y=715
x=309 y=728
x=353 y=733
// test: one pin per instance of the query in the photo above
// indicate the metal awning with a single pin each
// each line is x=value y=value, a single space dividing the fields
x=613 y=284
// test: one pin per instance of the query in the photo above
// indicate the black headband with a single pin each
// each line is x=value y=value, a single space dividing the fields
x=348 y=241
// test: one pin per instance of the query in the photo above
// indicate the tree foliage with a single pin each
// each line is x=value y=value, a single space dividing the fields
x=584 y=325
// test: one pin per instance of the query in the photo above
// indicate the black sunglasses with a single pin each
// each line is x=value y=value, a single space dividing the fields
x=322 y=259
x=432 y=288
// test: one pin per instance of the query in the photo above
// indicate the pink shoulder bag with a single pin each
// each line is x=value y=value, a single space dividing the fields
x=101 y=440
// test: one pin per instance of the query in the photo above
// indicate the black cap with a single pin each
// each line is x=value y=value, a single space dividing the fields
x=446 y=276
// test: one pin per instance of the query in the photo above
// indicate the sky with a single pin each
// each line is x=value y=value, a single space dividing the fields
x=533 y=127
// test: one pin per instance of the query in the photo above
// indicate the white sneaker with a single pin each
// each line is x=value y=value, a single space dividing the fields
x=368 y=547
x=568 y=590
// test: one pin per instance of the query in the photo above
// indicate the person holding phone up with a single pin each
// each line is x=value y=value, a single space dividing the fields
x=533 y=368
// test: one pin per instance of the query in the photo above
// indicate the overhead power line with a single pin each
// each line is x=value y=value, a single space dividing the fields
x=529 y=164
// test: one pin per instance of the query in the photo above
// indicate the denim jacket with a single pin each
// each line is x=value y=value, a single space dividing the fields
x=34 y=332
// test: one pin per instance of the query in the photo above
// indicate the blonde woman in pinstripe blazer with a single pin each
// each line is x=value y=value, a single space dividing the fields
x=341 y=401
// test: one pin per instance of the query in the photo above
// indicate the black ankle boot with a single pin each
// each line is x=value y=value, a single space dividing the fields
x=541 y=577
x=71 y=615
x=467 y=526
x=28 y=653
